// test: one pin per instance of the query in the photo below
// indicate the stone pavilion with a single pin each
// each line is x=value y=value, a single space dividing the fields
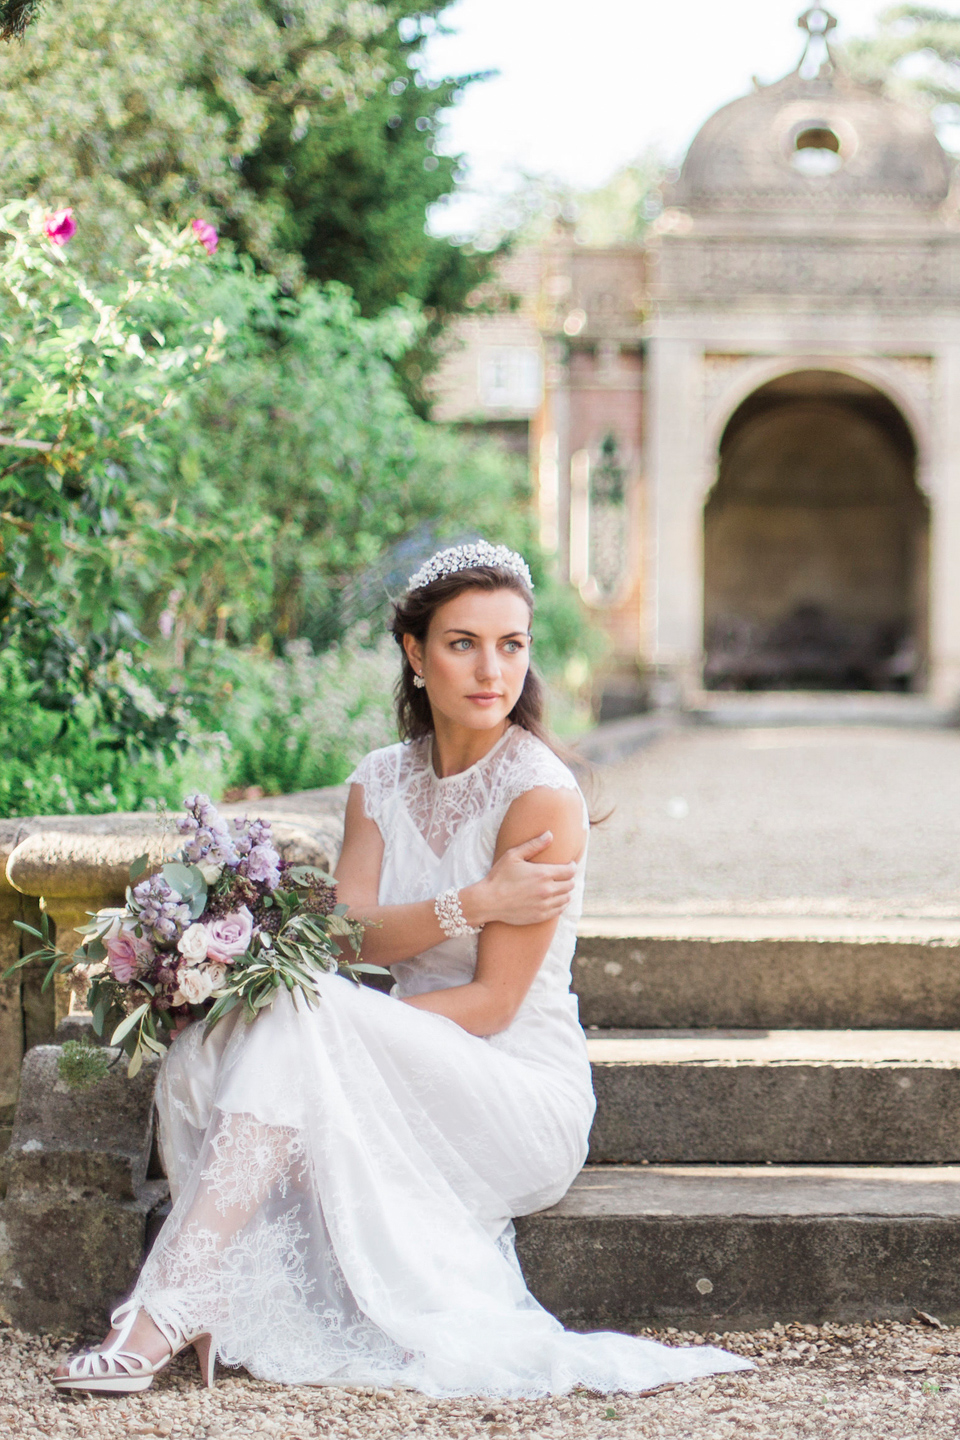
x=745 y=433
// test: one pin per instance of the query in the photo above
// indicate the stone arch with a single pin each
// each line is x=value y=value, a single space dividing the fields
x=815 y=539
x=751 y=373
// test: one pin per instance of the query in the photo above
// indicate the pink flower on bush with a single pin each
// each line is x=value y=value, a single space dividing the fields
x=207 y=235
x=60 y=227
x=229 y=936
x=126 y=953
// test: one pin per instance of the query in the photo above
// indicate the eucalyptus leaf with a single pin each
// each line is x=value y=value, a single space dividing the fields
x=100 y=1009
x=138 y=867
x=125 y=1026
x=187 y=880
x=43 y=934
x=303 y=874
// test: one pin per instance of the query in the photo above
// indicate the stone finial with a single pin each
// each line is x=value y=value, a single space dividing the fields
x=816 y=58
x=817 y=21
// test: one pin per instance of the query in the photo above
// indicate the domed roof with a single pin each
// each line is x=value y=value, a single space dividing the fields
x=824 y=141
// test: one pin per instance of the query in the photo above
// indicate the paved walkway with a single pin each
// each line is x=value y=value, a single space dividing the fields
x=780 y=821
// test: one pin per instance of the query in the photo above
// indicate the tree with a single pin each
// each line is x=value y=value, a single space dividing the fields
x=134 y=112
x=620 y=211
x=354 y=190
x=304 y=425
x=303 y=130
x=915 y=54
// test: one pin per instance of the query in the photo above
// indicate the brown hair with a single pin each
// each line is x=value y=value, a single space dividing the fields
x=412 y=616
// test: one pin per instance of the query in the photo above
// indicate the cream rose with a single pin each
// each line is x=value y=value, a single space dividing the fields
x=193 y=943
x=210 y=871
x=195 y=985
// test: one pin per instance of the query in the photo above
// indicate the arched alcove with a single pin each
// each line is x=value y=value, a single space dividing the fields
x=815 y=542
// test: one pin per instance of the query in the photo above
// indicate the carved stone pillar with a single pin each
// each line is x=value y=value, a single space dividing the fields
x=26 y=1013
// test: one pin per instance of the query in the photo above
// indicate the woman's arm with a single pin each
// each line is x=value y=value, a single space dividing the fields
x=509 y=956
x=515 y=892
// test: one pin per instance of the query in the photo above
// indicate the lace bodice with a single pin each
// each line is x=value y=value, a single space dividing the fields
x=440 y=807
x=440 y=831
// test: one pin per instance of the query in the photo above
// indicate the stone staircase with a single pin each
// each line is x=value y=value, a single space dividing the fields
x=778 y=1130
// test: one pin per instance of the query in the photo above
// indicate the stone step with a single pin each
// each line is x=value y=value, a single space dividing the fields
x=850 y=1097
x=735 y=1247
x=768 y=972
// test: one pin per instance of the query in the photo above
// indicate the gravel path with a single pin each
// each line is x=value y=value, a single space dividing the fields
x=790 y=820
x=882 y=1382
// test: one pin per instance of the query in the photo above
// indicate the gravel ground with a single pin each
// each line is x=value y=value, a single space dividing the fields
x=855 y=1382
x=806 y=820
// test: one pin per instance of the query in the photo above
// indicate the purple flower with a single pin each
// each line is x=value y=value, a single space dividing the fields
x=209 y=838
x=60 y=226
x=262 y=866
x=160 y=909
x=207 y=235
x=229 y=936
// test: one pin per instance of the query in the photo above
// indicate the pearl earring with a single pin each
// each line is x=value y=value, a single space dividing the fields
x=419 y=681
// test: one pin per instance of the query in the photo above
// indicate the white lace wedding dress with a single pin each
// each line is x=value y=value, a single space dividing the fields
x=344 y=1177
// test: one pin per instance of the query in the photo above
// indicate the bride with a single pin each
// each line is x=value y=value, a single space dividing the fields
x=344 y=1177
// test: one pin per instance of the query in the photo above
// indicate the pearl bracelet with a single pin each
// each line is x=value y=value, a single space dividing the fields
x=450 y=914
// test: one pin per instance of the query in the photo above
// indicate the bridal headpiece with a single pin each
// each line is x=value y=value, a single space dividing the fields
x=467 y=557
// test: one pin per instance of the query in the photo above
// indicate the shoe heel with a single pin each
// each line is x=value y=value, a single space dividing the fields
x=207 y=1358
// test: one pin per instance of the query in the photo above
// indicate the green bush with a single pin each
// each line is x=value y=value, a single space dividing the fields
x=49 y=769
x=300 y=721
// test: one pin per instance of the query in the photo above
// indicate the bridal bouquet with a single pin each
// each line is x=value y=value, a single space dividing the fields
x=226 y=923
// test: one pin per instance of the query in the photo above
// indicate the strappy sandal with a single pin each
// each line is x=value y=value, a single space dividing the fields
x=120 y=1371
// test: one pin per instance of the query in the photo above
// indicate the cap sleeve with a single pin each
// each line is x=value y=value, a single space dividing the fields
x=532 y=765
x=377 y=774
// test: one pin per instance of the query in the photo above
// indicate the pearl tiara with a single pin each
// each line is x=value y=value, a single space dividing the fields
x=468 y=557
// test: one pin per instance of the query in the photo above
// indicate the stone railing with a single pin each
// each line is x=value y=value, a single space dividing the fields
x=80 y=1158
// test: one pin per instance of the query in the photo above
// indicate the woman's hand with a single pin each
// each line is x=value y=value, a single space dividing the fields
x=518 y=891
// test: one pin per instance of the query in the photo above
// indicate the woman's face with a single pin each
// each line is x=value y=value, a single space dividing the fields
x=476 y=657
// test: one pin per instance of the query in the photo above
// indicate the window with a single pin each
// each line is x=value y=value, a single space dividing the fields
x=509 y=378
x=816 y=150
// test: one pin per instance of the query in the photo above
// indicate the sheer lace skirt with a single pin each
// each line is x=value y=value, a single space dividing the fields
x=344 y=1179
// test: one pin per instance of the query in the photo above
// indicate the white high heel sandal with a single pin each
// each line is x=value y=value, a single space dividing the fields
x=120 y=1371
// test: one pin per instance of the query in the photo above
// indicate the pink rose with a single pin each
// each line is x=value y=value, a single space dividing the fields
x=60 y=227
x=126 y=953
x=229 y=936
x=207 y=235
